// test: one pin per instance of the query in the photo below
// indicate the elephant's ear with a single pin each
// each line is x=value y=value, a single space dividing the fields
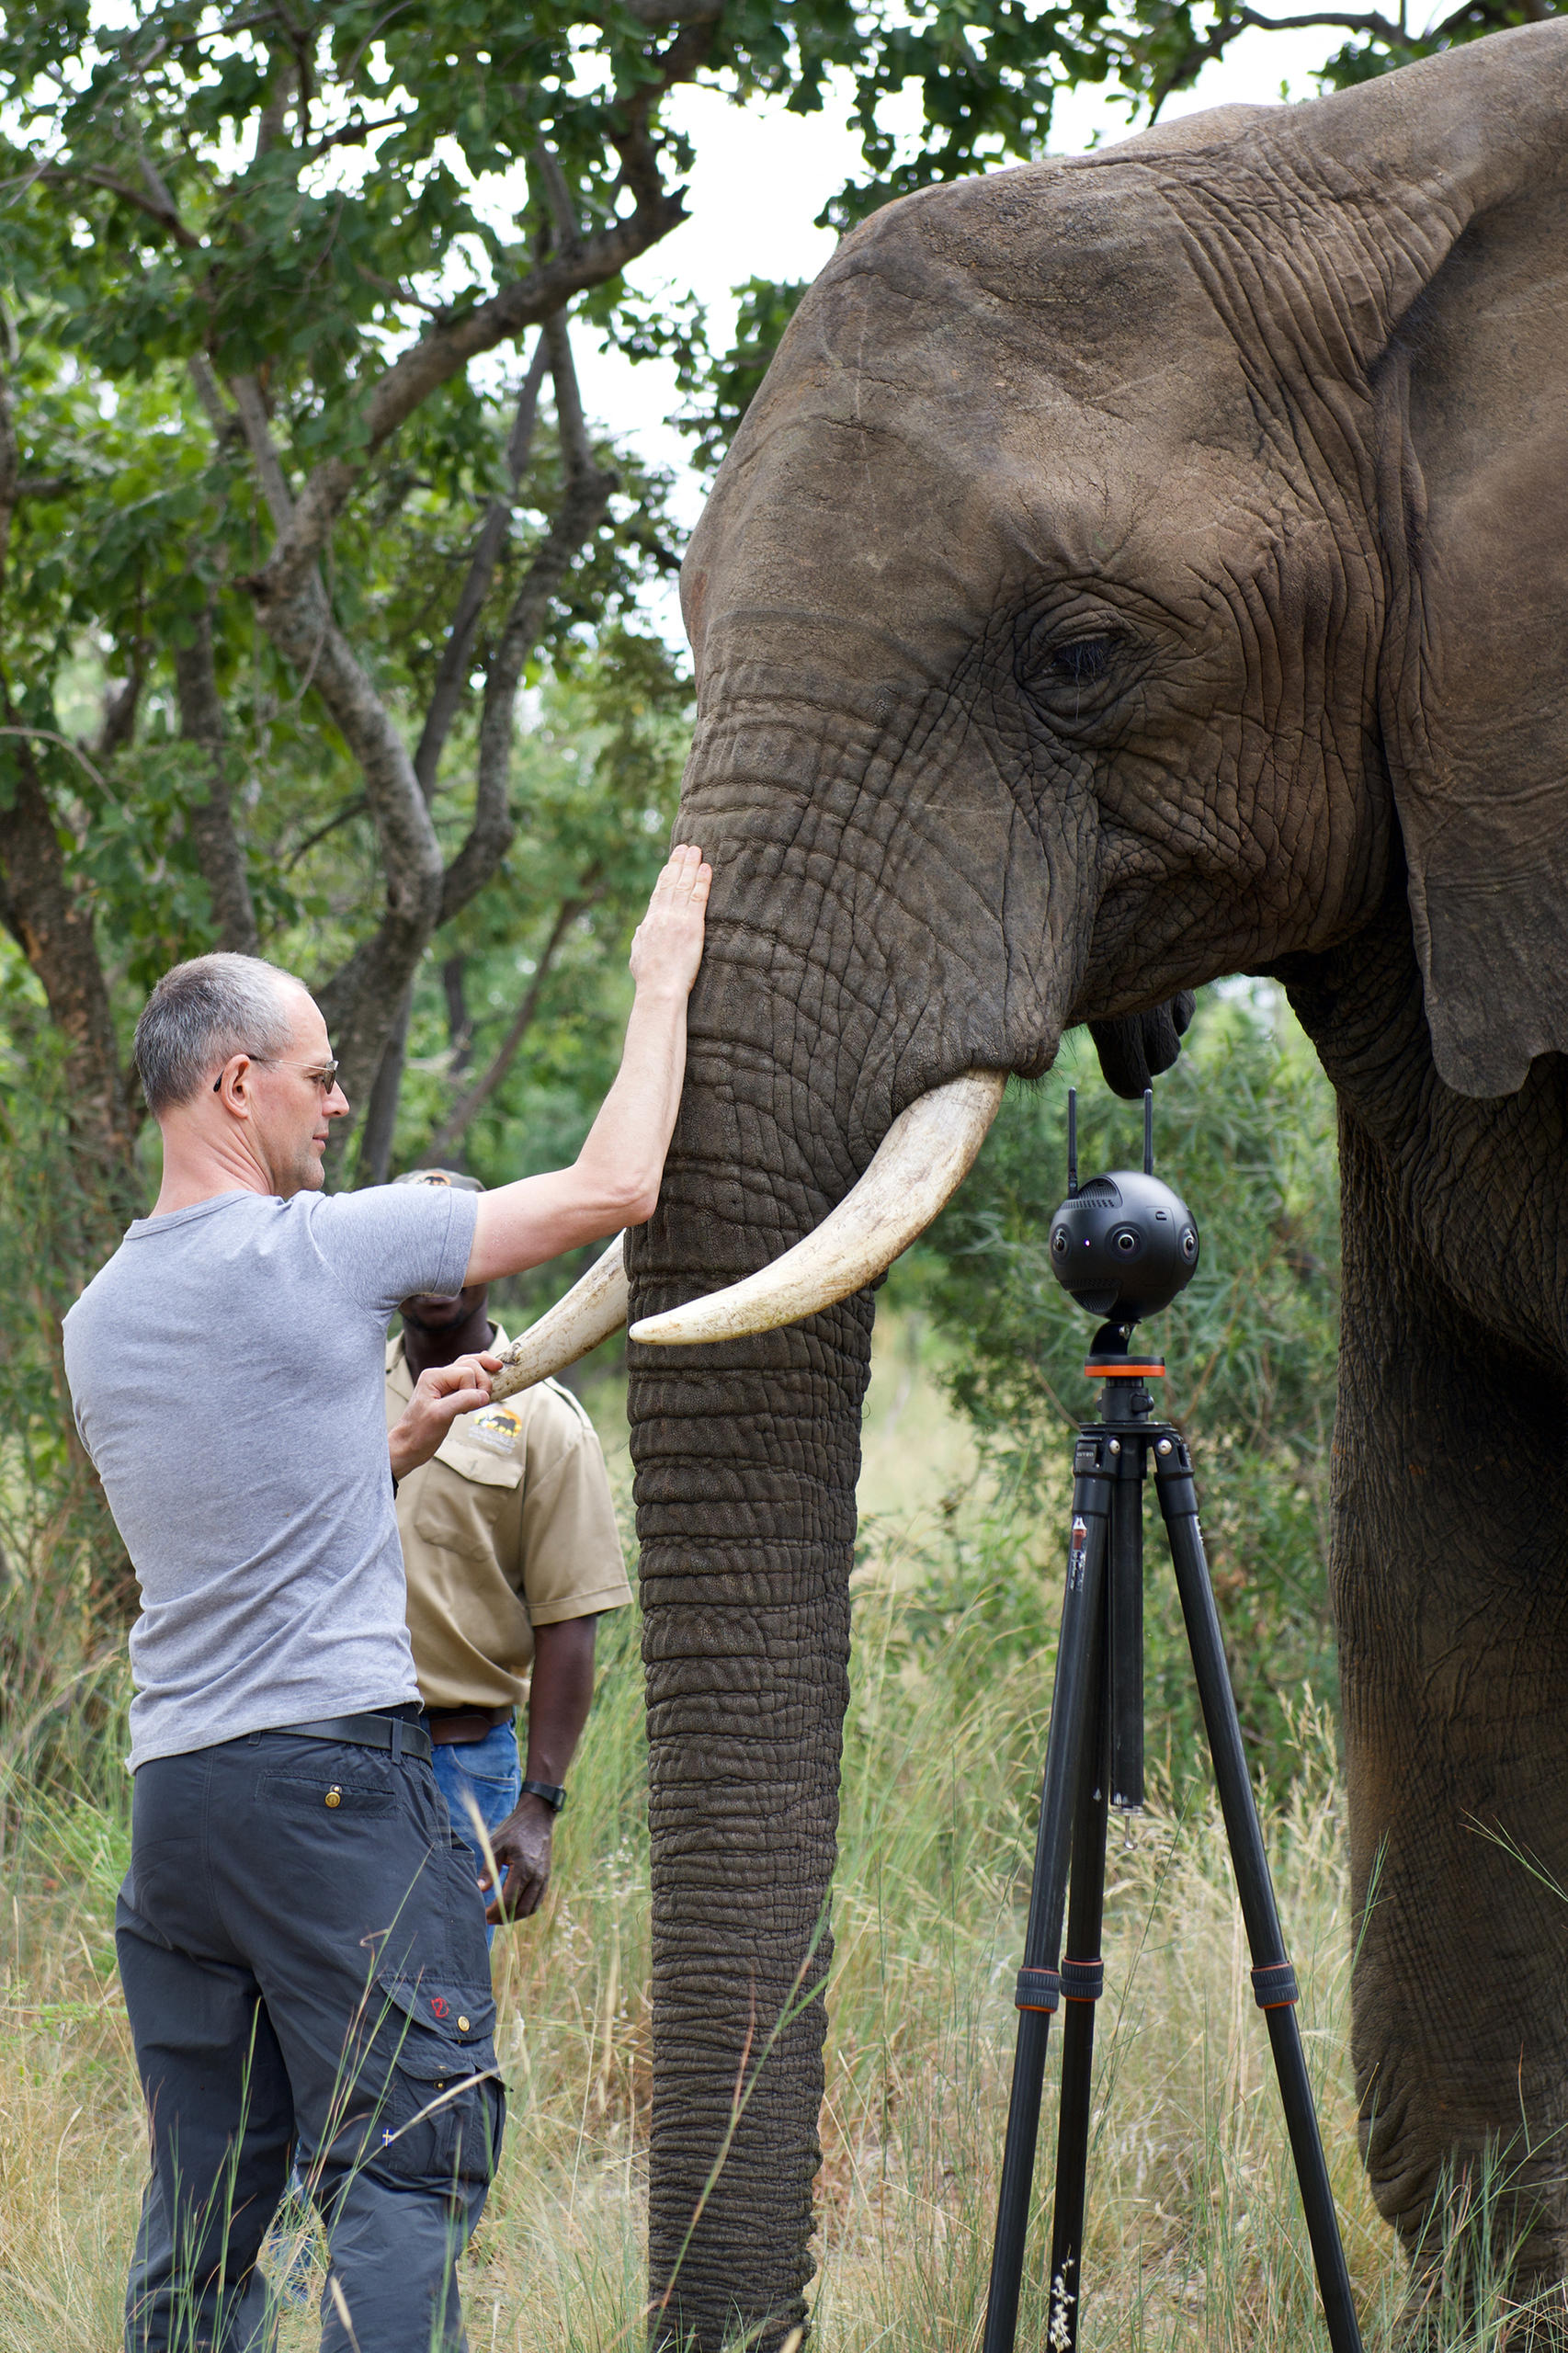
x=1136 y=1047
x=1470 y=152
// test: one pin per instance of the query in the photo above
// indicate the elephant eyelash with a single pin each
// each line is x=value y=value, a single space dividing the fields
x=1072 y=675
x=1083 y=660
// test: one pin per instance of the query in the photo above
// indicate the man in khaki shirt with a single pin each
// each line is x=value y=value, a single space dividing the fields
x=511 y=1549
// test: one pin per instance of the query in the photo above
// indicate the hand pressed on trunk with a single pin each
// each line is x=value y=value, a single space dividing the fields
x=614 y=1180
x=666 y=947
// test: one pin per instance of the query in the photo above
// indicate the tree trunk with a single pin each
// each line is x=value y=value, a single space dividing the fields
x=747 y=1458
x=55 y=931
x=49 y=922
x=219 y=853
x=381 y=1118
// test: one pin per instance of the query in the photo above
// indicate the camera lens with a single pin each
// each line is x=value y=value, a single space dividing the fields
x=1189 y=1246
x=1127 y=1242
x=1059 y=1242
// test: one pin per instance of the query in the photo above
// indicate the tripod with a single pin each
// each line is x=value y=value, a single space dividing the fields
x=1095 y=1759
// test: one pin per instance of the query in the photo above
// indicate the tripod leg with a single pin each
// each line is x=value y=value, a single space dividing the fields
x=1274 y=1983
x=1083 y=1980
x=1124 y=1584
x=1038 y=1984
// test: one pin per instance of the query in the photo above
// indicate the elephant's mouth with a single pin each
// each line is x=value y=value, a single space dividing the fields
x=919 y=1165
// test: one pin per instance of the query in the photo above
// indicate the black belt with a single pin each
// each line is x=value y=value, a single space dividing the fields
x=397 y=1734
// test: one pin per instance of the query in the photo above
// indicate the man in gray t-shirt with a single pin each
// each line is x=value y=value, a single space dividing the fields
x=305 y=1966
x=275 y=1592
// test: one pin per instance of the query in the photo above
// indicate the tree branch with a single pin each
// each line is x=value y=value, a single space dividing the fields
x=144 y=201
x=219 y=415
x=258 y=430
x=355 y=807
x=528 y=301
x=1381 y=27
x=361 y=998
x=120 y=706
x=456 y=1124
x=219 y=854
x=588 y=493
x=452 y=675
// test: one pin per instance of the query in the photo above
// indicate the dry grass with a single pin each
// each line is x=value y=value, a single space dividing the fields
x=1196 y=2238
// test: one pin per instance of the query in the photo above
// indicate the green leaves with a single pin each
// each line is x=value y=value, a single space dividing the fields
x=1245 y=1132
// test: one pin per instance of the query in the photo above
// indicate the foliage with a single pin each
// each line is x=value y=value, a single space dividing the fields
x=597 y=778
x=1245 y=1128
x=65 y=1584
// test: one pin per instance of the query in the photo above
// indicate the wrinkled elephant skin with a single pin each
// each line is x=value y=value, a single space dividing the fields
x=1136 y=569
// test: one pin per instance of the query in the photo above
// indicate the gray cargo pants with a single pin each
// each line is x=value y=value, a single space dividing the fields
x=305 y=1971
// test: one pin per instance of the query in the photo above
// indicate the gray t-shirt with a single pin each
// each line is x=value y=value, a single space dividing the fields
x=228 y=1371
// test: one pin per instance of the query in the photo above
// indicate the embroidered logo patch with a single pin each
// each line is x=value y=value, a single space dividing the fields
x=438 y=2004
x=496 y=1428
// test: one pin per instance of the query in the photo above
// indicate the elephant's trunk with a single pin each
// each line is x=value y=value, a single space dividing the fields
x=920 y=1164
x=746 y=1456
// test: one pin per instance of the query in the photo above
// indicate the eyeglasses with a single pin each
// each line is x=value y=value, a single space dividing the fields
x=325 y=1073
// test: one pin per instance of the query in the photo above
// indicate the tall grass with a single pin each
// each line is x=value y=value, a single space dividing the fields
x=1196 y=2239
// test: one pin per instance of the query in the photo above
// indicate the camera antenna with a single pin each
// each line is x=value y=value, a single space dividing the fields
x=1148 y=1132
x=1071 y=1142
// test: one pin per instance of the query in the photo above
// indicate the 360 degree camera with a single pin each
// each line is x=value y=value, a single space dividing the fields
x=1123 y=1245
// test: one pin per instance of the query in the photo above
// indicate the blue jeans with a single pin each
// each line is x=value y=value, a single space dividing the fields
x=489 y=1772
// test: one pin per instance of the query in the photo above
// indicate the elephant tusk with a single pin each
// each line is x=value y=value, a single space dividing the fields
x=593 y=1309
x=919 y=1165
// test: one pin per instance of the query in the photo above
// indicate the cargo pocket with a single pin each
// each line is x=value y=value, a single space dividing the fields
x=439 y=2122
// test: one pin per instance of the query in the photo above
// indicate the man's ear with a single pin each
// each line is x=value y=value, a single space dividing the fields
x=1451 y=181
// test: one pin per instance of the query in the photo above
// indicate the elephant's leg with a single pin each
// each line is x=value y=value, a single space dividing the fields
x=746 y=1462
x=1451 y=1593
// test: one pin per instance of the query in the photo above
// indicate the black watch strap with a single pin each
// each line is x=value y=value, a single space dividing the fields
x=551 y=1792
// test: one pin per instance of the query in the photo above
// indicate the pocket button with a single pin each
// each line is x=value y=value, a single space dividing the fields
x=333 y=1796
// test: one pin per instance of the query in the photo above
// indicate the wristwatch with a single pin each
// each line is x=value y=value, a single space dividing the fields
x=551 y=1792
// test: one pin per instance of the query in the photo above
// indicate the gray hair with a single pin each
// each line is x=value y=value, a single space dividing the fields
x=202 y=1012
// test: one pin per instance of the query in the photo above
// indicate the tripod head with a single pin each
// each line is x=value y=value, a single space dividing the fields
x=1123 y=1245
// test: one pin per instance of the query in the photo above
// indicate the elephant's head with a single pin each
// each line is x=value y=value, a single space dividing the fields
x=1119 y=550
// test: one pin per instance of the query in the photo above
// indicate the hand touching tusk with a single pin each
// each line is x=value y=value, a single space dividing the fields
x=920 y=1163
x=591 y=1311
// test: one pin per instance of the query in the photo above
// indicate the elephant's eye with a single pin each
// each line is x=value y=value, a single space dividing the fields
x=1073 y=666
x=1083 y=660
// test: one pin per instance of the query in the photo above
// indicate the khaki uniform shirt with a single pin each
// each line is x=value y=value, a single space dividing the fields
x=509 y=1525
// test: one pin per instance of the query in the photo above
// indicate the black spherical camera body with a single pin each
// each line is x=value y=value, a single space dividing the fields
x=1123 y=1245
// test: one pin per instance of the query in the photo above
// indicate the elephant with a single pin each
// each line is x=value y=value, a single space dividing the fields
x=1136 y=568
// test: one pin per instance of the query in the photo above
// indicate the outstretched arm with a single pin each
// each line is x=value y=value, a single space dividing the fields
x=614 y=1180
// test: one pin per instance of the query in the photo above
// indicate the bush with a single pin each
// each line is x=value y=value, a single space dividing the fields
x=1244 y=1132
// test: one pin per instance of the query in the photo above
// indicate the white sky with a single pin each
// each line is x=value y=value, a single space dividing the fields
x=761 y=177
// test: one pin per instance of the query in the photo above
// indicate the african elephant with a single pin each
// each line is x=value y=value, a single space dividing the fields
x=1137 y=568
